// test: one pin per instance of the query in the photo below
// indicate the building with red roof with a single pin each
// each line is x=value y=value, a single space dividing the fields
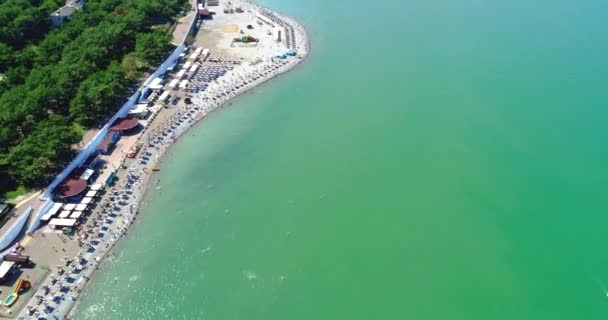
x=125 y=125
x=71 y=187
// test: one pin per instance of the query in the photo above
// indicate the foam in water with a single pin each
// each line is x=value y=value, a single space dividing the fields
x=249 y=275
x=204 y=251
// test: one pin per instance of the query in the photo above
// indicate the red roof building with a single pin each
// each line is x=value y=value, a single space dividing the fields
x=70 y=187
x=124 y=124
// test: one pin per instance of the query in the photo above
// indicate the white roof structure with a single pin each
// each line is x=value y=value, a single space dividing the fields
x=173 y=84
x=87 y=174
x=163 y=97
x=96 y=187
x=62 y=222
x=56 y=207
x=5 y=267
x=180 y=74
x=46 y=217
x=86 y=200
x=65 y=213
x=76 y=214
x=198 y=50
x=69 y=206
x=81 y=207
x=183 y=84
x=155 y=84
x=91 y=193
x=194 y=67
x=139 y=108
x=187 y=65
x=205 y=53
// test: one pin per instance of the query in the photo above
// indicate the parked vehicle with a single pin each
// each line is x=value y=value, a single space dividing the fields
x=134 y=150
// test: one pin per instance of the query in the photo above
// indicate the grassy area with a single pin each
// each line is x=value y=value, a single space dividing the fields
x=9 y=195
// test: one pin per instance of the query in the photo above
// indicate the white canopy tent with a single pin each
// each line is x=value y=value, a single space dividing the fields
x=91 y=193
x=62 y=223
x=183 y=84
x=139 y=109
x=56 y=207
x=65 y=213
x=76 y=214
x=81 y=207
x=156 y=84
x=165 y=95
x=5 y=267
x=96 y=187
x=86 y=175
x=86 y=200
x=69 y=206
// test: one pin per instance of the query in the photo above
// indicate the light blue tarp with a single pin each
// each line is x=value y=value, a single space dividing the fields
x=48 y=204
x=9 y=236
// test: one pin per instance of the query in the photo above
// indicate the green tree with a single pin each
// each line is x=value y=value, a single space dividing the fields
x=153 y=46
x=99 y=95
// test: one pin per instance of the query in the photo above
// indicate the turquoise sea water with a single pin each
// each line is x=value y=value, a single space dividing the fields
x=430 y=160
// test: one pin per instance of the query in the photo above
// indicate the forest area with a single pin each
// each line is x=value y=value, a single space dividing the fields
x=57 y=82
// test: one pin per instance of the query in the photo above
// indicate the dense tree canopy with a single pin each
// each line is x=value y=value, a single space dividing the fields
x=80 y=72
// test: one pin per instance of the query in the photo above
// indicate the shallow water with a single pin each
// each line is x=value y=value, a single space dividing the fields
x=430 y=160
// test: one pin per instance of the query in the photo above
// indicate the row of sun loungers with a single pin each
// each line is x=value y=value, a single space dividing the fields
x=290 y=34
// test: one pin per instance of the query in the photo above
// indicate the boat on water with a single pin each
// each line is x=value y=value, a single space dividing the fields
x=11 y=299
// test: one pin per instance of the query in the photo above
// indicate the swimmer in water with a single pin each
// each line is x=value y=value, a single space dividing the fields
x=283 y=277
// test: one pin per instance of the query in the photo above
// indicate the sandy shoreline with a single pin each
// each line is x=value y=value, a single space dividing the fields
x=138 y=176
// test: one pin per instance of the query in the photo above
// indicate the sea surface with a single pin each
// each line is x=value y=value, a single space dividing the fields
x=431 y=159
